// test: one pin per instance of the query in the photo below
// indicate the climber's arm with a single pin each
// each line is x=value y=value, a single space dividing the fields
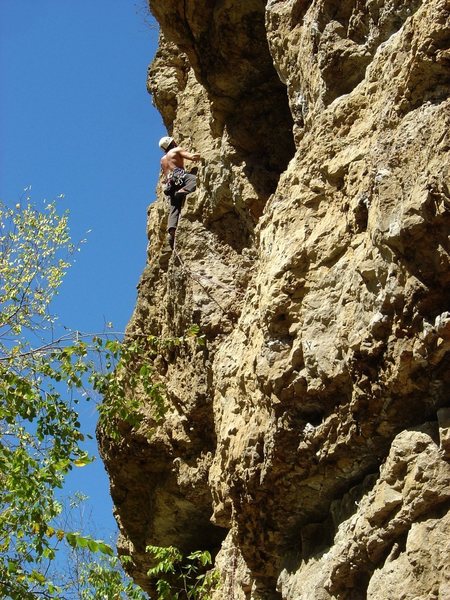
x=188 y=155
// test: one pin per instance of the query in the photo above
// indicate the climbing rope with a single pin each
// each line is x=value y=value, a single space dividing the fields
x=211 y=280
x=191 y=274
x=208 y=278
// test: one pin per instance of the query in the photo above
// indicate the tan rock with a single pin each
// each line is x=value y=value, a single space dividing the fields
x=444 y=430
x=314 y=256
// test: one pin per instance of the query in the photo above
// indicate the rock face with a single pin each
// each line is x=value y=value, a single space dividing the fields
x=307 y=443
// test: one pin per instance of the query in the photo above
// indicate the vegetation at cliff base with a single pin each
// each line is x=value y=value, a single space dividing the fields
x=177 y=576
x=42 y=378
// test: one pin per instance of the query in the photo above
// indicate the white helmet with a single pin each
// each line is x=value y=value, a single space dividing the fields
x=165 y=142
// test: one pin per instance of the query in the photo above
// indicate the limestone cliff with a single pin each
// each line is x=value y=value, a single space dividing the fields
x=307 y=444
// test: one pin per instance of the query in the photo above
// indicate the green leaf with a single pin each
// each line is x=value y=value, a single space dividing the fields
x=105 y=549
x=93 y=545
x=83 y=461
x=71 y=539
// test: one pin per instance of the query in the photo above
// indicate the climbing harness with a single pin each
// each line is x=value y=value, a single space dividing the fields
x=175 y=180
x=178 y=176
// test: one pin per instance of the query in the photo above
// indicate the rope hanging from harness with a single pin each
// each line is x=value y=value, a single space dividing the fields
x=190 y=274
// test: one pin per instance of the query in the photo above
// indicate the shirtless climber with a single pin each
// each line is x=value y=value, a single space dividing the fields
x=178 y=183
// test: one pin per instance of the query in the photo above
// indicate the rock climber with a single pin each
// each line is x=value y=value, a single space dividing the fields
x=177 y=182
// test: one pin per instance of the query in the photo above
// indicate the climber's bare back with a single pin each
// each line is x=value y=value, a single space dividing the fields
x=175 y=158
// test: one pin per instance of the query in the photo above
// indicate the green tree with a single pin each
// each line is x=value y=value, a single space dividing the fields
x=88 y=569
x=177 y=576
x=41 y=377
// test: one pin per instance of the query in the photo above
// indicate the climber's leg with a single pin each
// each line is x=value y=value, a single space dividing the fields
x=176 y=202
x=190 y=185
x=174 y=212
x=171 y=237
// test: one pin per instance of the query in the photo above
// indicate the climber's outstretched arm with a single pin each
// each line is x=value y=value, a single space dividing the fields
x=188 y=155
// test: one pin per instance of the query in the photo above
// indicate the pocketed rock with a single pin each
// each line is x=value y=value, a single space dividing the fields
x=306 y=444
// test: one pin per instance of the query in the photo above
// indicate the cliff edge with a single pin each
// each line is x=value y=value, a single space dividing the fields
x=307 y=443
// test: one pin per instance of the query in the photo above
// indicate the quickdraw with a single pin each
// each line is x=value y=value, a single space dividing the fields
x=174 y=181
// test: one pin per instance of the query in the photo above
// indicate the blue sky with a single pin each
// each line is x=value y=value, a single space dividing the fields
x=76 y=119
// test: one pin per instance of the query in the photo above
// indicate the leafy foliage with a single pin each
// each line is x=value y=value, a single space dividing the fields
x=40 y=437
x=177 y=576
x=39 y=431
x=34 y=250
x=105 y=577
x=127 y=378
x=42 y=379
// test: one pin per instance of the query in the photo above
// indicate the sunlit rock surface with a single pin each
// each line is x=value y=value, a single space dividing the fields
x=307 y=444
